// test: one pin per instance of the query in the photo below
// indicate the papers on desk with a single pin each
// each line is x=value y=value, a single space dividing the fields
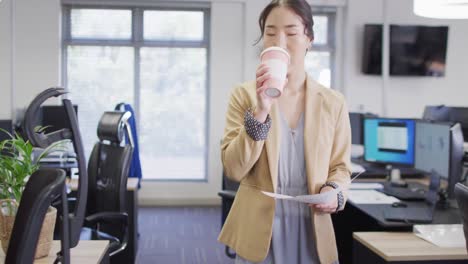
x=370 y=197
x=465 y=146
x=357 y=151
x=441 y=235
x=320 y=198
x=356 y=168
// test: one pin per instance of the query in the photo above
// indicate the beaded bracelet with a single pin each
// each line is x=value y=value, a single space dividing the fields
x=339 y=194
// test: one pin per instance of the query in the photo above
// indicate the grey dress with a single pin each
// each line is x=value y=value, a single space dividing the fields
x=293 y=240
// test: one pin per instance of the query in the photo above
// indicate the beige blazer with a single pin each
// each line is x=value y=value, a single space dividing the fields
x=248 y=227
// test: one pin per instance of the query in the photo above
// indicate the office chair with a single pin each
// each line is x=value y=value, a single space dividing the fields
x=227 y=194
x=108 y=168
x=461 y=194
x=43 y=186
x=43 y=140
x=436 y=113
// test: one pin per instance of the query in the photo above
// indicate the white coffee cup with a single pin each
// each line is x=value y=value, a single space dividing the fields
x=277 y=59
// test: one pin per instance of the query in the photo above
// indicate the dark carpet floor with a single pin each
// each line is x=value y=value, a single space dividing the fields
x=180 y=235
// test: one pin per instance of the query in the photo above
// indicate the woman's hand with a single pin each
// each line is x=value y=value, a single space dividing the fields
x=327 y=208
x=264 y=102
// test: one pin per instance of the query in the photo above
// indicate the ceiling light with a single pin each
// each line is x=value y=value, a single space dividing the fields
x=442 y=9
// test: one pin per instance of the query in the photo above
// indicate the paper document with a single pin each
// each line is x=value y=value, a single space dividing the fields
x=370 y=197
x=441 y=235
x=356 y=167
x=320 y=198
x=365 y=186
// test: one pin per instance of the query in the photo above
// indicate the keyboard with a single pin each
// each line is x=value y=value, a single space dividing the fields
x=404 y=193
x=410 y=214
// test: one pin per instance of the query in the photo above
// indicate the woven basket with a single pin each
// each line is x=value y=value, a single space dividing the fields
x=45 y=237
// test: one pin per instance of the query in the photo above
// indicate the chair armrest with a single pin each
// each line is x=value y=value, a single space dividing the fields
x=111 y=217
x=227 y=194
x=107 y=217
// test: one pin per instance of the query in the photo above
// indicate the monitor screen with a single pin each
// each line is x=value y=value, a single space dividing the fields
x=414 y=50
x=418 y=50
x=6 y=125
x=389 y=140
x=432 y=149
x=356 y=120
x=372 y=49
x=55 y=118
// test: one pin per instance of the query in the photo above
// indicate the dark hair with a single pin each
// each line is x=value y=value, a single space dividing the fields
x=300 y=7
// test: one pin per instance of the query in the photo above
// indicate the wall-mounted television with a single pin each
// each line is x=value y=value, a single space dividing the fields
x=414 y=50
x=372 y=49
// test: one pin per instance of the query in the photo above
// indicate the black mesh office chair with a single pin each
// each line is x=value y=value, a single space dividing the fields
x=108 y=172
x=43 y=186
x=461 y=194
x=227 y=194
x=42 y=140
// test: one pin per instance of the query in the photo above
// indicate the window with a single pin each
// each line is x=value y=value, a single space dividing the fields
x=156 y=60
x=319 y=61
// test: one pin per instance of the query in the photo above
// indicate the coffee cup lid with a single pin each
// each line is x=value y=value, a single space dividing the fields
x=278 y=49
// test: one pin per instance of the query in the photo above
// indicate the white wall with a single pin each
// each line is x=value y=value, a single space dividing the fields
x=234 y=30
x=37 y=48
x=5 y=59
x=35 y=52
x=406 y=96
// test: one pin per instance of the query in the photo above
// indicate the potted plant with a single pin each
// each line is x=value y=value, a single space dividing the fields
x=17 y=163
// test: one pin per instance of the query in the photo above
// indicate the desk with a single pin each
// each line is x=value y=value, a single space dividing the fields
x=378 y=171
x=85 y=252
x=369 y=217
x=398 y=247
x=130 y=253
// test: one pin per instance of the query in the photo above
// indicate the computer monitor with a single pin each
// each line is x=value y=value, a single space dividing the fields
x=439 y=148
x=448 y=114
x=432 y=148
x=389 y=141
x=460 y=115
x=54 y=117
x=6 y=125
x=356 y=120
x=357 y=126
x=436 y=113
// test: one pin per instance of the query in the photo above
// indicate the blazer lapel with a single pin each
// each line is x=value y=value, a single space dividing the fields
x=313 y=108
x=272 y=145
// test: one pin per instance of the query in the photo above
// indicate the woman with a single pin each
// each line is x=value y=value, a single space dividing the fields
x=296 y=144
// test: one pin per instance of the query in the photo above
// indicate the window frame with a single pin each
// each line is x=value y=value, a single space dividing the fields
x=330 y=46
x=137 y=42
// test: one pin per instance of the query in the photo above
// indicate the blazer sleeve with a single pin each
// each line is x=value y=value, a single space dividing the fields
x=239 y=152
x=340 y=160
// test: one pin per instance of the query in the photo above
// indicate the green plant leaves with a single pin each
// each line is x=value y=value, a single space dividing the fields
x=17 y=164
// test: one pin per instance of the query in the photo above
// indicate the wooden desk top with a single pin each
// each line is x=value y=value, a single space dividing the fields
x=405 y=246
x=132 y=184
x=87 y=251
